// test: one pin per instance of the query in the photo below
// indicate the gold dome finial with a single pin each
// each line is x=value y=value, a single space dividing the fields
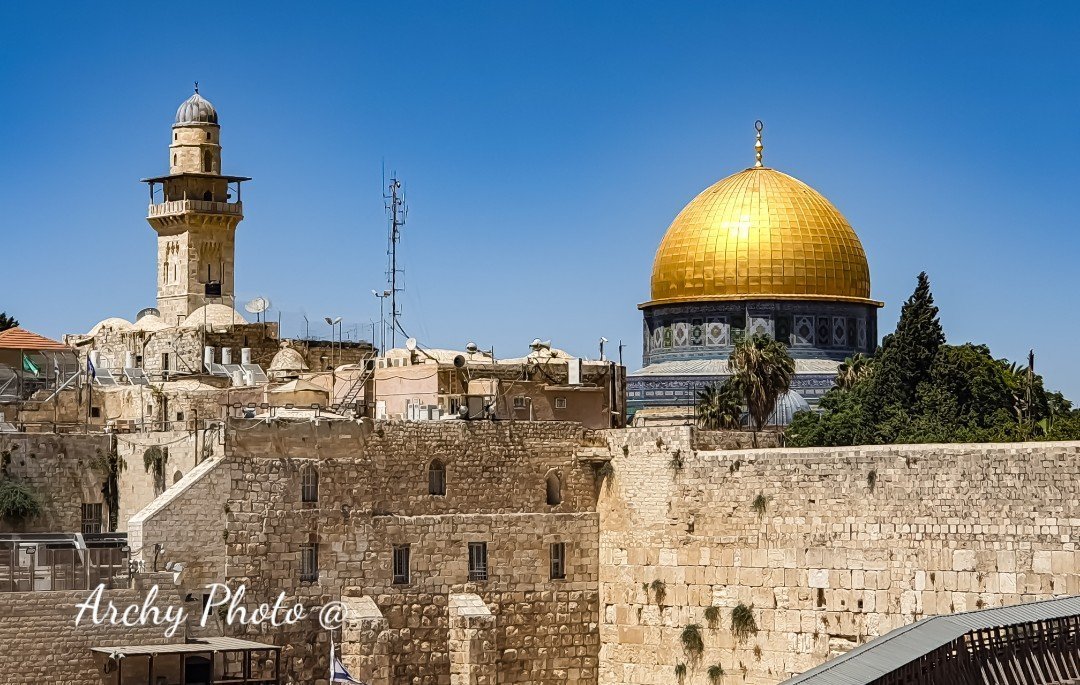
x=758 y=147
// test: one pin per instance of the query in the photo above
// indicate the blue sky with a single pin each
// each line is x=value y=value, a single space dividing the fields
x=545 y=148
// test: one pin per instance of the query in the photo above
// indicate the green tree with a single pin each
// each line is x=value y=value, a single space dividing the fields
x=852 y=370
x=761 y=372
x=902 y=363
x=718 y=406
x=7 y=322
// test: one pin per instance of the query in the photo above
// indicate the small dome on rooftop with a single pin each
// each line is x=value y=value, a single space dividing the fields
x=196 y=110
x=213 y=314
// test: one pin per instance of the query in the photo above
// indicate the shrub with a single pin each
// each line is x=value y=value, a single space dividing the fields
x=659 y=589
x=676 y=461
x=712 y=615
x=680 y=671
x=18 y=502
x=760 y=505
x=743 y=624
x=871 y=479
x=692 y=643
x=716 y=672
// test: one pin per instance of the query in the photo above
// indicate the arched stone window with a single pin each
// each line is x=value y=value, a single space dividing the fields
x=174 y=159
x=309 y=485
x=436 y=478
x=208 y=196
x=554 y=488
x=208 y=135
x=176 y=477
x=207 y=161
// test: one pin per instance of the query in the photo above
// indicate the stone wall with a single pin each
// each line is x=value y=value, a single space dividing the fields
x=827 y=547
x=137 y=486
x=187 y=524
x=39 y=642
x=373 y=495
x=58 y=468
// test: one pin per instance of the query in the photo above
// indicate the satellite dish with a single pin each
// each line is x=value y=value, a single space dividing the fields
x=410 y=344
x=257 y=305
x=147 y=312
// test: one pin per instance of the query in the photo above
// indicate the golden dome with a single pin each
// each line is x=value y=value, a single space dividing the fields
x=758 y=235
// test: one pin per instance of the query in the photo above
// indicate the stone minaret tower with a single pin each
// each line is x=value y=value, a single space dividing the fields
x=195 y=216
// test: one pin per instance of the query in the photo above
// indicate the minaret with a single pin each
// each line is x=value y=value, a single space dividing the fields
x=195 y=216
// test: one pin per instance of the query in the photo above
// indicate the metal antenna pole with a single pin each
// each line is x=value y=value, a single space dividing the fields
x=395 y=206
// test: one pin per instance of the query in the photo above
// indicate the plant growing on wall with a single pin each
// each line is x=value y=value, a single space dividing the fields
x=712 y=616
x=154 y=459
x=606 y=474
x=659 y=589
x=680 y=671
x=676 y=461
x=716 y=672
x=743 y=624
x=18 y=502
x=871 y=479
x=692 y=644
x=110 y=465
x=760 y=505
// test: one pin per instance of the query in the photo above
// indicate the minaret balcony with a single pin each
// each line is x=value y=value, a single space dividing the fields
x=178 y=207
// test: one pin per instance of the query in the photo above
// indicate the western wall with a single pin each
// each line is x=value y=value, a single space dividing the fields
x=827 y=547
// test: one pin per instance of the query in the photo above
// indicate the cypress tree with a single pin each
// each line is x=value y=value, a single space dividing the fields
x=903 y=362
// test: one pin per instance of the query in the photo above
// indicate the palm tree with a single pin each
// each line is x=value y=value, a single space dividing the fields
x=718 y=406
x=762 y=371
x=7 y=322
x=852 y=370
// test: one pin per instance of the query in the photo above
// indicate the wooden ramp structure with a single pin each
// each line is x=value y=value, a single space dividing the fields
x=1025 y=644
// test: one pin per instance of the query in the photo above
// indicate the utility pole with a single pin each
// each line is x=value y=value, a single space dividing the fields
x=396 y=210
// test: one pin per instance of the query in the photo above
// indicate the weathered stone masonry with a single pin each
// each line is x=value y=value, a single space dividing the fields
x=851 y=542
x=372 y=495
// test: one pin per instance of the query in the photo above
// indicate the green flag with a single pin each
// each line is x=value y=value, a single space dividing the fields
x=30 y=366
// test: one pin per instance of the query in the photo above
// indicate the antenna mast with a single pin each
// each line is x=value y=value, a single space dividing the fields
x=396 y=211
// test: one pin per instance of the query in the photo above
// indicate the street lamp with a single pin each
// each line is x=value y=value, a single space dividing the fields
x=382 y=321
x=333 y=322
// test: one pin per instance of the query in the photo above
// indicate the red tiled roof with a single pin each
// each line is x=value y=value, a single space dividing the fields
x=22 y=339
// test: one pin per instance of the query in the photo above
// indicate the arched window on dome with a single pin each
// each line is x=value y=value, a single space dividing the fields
x=437 y=478
x=554 y=488
x=207 y=162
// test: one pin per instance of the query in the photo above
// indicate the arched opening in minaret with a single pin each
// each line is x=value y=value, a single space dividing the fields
x=208 y=196
x=207 y=162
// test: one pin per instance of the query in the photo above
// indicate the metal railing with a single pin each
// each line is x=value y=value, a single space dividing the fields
x=207 y=206
x=46 y=567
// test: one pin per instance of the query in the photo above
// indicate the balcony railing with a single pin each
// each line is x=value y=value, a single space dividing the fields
x=205 y=206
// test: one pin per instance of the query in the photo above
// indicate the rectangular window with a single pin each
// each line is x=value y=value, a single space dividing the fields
x=309 y=561
x=401 y=564
x=91 y=518
x=478 y=566
x=519 y=402
x=560 y=403
x=95 y=412
x=558 y=560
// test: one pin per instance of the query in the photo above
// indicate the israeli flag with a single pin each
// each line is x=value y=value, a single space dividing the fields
x=338 y=672
x=90 y=370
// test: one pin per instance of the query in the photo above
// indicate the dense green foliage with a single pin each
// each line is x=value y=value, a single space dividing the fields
x=7 y=322
x=917 y=389
x=18 y=502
